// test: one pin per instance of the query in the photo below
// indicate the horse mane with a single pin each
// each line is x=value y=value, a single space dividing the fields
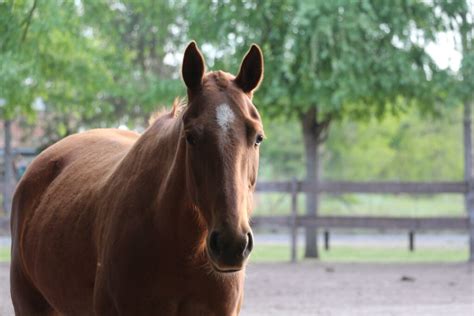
x=178 y=106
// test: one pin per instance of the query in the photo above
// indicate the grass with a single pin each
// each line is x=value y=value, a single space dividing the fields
x=281 y=253
x=278 y=253
x=4 y=254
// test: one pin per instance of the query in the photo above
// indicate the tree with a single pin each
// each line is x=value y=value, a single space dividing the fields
x=356 y=59
x=140 y=35
x=14 y=70
x=45 y=54
x=95 y=63
x=91 y=63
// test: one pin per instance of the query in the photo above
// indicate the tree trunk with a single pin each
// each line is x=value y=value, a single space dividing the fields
x=311 y=141
x=8 y=167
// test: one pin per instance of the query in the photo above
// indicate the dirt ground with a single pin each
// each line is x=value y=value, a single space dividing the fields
x=345 y=289
x=359 y=289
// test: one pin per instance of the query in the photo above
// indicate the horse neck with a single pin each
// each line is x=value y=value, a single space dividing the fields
x=155 y=174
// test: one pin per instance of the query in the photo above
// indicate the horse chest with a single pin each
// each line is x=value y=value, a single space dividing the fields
x=199 y=294
x=174 y=292
x=195 y=307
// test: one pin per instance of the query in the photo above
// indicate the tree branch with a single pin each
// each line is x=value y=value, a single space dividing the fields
x=28 y=21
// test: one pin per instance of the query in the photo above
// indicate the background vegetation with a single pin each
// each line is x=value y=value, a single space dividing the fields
x=350 y=91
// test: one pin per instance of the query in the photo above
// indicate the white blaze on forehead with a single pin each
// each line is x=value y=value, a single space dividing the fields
x=225 y=116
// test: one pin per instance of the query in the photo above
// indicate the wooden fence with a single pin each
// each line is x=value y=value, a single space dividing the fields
x=411 y=224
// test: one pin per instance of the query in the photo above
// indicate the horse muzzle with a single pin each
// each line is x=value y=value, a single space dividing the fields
x=228 y=252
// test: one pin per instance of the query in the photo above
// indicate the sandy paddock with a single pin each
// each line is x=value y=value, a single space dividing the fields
x=345 y=289
x=360 y=289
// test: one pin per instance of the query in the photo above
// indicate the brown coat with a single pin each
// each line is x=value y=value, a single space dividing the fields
x=110 y=222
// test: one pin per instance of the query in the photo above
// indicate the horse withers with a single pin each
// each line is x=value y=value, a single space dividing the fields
x=110 y=222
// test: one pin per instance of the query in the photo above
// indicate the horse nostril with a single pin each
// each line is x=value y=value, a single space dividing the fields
x=214 y=243
x=249 y=245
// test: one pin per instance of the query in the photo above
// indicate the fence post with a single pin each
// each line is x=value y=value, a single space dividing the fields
x=293 y=219
x=468 y=177
x=326 y=240
x=469 y=198
x=411 y=240
x=470 y=209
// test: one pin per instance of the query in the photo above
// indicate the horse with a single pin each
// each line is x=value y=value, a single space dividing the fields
x=111 y=222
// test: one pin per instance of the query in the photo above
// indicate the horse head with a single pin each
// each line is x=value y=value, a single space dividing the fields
x=222 y=133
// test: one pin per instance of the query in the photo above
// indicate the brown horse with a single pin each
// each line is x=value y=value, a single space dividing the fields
x=109 y=222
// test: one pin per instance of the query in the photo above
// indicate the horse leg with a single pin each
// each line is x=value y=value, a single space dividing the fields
x=27 y=300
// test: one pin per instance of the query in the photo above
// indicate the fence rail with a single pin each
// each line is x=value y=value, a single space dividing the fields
x=377 y=187
x=412 y=224
x=366 y=222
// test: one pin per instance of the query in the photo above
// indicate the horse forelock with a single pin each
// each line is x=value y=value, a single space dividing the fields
x=221 y=79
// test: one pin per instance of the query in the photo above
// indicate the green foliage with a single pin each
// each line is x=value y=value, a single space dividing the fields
x=101 y=63
x=92 y=63
x=459 y=18
x=15 y=63
x=348 y=58
x=139 y=35
x=364 y=59
x=45 y=53
x=281 y=155
x=403 y=147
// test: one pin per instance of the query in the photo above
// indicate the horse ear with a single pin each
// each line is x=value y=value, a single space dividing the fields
x=193 y=67
x=251 y=70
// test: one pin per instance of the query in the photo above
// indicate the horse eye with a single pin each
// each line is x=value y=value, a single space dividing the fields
x=258 y=139
x=190 y=139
